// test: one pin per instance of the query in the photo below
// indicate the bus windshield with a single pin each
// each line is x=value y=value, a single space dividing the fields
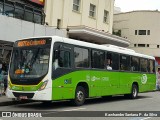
x=29 y=62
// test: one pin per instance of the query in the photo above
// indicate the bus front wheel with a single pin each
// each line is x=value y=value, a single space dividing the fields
x=79 y=96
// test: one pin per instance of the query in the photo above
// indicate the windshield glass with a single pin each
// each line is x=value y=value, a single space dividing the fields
x=29 y=62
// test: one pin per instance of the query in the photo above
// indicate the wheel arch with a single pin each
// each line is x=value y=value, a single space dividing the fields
x=85 y=86
x=136 y=83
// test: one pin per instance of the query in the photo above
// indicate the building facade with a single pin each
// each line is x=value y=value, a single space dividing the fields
x=142 y=29
x=21 y=19
x=97 y=14
x=86 y=20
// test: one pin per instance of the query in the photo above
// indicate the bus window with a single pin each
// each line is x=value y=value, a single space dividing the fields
x=115 y=61
x=64 y=59
x=151 y=66
x=124 y=62
x=134 y=64
x=108 y=61
x=143 y=64
x=81 y=57
x=98 y=59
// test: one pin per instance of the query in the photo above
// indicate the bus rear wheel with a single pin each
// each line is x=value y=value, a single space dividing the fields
x=79 y=96
x=134 y=92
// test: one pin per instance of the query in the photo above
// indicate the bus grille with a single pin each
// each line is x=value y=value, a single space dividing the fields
x=29 y=95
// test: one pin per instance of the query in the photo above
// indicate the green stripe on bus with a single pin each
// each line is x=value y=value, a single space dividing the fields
x=101 y=83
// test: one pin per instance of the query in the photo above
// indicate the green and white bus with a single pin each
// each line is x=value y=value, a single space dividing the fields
x=55 y=68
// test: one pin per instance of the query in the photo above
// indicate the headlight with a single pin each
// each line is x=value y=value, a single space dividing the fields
x=43 y=85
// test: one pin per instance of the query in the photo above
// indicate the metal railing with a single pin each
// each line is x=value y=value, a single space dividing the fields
x=1 y=87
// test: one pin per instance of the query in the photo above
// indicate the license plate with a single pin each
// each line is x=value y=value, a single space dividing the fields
x=23 y=97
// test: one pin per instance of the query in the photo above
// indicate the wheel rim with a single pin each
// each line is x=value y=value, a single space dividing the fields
x=134 y=92
x=80 y=96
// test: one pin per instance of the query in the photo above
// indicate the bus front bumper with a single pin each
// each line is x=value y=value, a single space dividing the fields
x=44 y=95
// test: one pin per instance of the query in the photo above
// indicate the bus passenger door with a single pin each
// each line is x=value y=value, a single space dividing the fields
x=61 y=73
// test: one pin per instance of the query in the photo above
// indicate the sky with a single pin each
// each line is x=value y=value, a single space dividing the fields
x=130 y=5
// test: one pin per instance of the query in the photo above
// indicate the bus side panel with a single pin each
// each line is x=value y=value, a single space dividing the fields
x=96 y=83
x=126 y=81
x=64 y=87
x=100 y=83
x=147 y=83
x=110 y=83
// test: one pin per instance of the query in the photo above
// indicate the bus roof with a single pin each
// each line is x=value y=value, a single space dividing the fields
x=106 y=47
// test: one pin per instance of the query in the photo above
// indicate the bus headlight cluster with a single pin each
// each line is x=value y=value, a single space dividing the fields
x=9 y=85
x=43 y=85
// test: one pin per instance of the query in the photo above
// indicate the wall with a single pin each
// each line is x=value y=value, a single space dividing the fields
x=12 y=29
x=62 y=9
x=140 y=20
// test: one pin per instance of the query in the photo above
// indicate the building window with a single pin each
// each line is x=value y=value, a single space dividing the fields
x=135 y=32
x=157 y=46
x=76 y=5
x=141 y=45
x=19 y=11
x=106 y=14
x=147 y=45
x=92 y=11
x=58 y=23
x=142 y=32
x=9 y=9
x=148 y=32
x=135 y=45
x=28 y=16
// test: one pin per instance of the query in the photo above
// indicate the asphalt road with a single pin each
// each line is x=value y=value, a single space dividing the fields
x=145 y=102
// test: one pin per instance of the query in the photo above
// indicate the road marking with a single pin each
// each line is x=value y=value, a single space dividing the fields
x=144 y=98
x=145 y=118
x=65 y=110
x=74 y=109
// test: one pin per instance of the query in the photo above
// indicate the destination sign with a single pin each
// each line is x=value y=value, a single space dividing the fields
x=25 y=43
x=33 y=42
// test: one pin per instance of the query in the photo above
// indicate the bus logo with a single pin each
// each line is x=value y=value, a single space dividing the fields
x=144 y=79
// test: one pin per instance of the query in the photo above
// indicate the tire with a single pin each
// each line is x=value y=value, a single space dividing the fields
x=79 y=96
x=134 y=92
